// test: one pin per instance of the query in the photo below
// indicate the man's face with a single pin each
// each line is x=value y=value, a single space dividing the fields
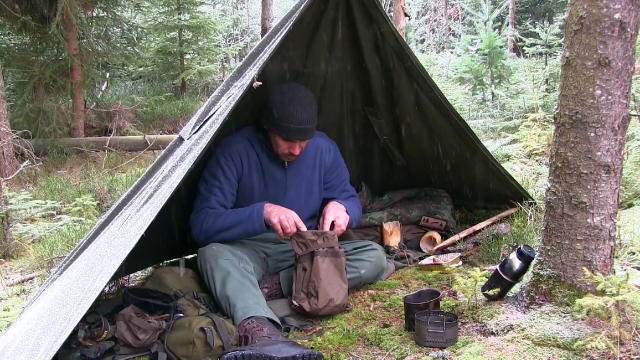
x=287 y=150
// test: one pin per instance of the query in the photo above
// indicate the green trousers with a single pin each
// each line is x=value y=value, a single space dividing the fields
x=231 y=271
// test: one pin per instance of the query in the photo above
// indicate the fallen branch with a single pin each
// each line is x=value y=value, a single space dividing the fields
x=476 y=240
x=24 y=278
x=123 y=143
x=472 y=230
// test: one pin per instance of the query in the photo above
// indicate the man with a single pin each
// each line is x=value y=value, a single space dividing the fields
x=262 y=185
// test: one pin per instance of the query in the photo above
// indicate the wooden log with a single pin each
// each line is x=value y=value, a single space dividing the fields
x=76 y=145
x=24 y=278
x=472 y=230
x=391 y=236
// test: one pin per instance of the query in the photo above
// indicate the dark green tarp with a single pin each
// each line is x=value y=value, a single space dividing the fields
x=394 y=128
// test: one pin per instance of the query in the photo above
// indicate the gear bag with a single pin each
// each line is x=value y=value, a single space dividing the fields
x=200 y=337
x=185 y=285
x=320 y=285
x=200 y=333
x=138 y=329
x=151 y=301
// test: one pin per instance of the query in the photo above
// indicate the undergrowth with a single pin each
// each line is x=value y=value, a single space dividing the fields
x=53 y=207
x=517 y=126
x=616 y=305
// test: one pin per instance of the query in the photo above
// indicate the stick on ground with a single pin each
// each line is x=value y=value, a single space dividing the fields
x=472 y=230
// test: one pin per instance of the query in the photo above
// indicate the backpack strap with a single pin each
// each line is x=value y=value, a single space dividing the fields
x=222 y=330
x=210 y=334
x=291 y=324
x=126 y=353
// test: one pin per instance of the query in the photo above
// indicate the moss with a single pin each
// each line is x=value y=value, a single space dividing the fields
x=546 y=288
x=340 y=338
x=463 y=341
x=384 y=285
x=473 y=351
x=548 y=340
x=434 y=279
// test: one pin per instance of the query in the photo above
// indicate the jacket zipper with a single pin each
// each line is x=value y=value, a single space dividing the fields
x=286 y=182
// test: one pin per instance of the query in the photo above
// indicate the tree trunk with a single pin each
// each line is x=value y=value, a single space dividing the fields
x=8 y=162
x=267 y=17
x=398 y=18
x=6 y=248
x=591 y=122
x=8 y=166
x=224 y=69
x=445 y=14
x=512 y=27
x=183 y=64
x=77 y=129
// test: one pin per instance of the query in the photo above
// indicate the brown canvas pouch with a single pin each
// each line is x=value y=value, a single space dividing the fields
x=138 y=329
x=320 y=285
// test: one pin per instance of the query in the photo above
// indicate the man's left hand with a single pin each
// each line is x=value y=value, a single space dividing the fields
x=334 y=213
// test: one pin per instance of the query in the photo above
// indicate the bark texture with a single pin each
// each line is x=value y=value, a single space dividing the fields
x=8 y=162
x=591 y=122
x=512 y=27
x=8 y=166
x=445 y=19
x=398 y=18
x=267 y=17
x=183 y=64
x=78 y=108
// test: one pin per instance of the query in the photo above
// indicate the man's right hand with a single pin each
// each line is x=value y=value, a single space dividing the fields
x=282 y=220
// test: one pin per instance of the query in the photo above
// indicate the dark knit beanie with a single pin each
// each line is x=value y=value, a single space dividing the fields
x=292 y=112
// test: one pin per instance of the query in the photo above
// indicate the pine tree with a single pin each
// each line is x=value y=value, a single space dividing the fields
x=591 y=121
x=483 y=50
x=184 y=38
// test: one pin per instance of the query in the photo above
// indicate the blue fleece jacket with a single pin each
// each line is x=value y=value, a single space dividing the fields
x=244 y=173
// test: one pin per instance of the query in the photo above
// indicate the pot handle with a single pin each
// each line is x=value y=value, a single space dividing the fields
x=436 y=330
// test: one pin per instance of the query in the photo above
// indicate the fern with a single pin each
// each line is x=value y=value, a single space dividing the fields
x=30 y=218
x=617 y=304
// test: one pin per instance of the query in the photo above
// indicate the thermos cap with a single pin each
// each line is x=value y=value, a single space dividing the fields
x=526 y=254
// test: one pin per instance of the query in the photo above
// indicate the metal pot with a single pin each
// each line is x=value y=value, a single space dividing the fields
x=425 y=299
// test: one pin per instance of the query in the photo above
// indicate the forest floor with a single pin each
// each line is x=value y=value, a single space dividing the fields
x=55 y=204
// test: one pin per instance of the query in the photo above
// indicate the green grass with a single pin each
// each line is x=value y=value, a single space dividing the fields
x=628 y=247
x=105 y=178
x=54 y=247
x=12 y=300
x=525 y=229
x=78 y=190
x=165 y=113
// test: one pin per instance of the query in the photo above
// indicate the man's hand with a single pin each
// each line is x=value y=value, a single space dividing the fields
x=282 y=220
x=334 y=213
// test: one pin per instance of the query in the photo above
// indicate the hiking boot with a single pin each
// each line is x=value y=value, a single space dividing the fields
x=270 y=287
x=259 y=339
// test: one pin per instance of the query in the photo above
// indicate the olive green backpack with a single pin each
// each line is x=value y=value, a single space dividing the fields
x=199 y=334
x=186 y=285
x=200 y=337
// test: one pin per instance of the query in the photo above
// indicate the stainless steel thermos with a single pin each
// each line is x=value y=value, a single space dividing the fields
x=508 y=273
